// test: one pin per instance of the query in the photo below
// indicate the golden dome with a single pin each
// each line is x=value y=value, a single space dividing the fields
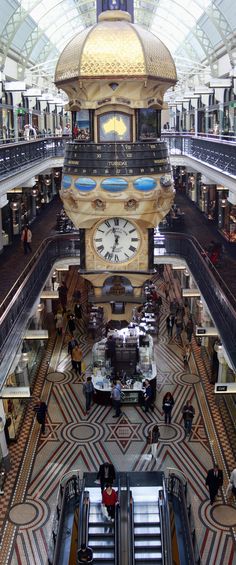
x=115 y=47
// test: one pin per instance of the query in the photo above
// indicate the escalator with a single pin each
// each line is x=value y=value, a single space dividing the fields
x=147 y=535
x=102 y=533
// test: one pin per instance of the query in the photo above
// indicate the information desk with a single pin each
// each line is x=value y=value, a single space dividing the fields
x=126 y=355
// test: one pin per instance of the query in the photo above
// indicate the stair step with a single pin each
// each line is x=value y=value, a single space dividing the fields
x=149 y=543
x=148 y=556
x=150 y=527
x=100 y=533
x=141 y=530
x=101 y=542
x=103 y=555
x=146 y=518
x=148 y=561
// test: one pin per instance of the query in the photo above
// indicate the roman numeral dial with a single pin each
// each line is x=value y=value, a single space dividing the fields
x=116 y=240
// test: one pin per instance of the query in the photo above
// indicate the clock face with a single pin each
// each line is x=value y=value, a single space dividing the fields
x=116 y=240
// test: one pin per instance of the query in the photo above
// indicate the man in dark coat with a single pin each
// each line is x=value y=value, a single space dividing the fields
x=106 y=474
x=41 y=411
x=214 y=481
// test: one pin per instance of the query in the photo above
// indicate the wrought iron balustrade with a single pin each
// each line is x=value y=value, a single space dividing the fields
x=214 y=152
x=17 y=156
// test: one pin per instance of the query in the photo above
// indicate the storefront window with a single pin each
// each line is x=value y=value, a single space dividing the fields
x=229 y=223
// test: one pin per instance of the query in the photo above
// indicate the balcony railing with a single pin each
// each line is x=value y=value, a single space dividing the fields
x=215 y=152
x=210 y=150
x=17 y=156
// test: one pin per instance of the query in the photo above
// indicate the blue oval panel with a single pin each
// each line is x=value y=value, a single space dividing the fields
x=114 y=184
x=145 y=184
x=66 y=181
x=85 y=184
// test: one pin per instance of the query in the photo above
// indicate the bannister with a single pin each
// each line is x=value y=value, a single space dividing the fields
x=70 y=487
x=209 y=149
x=165 y=526
x=213 y=151
x=177 y=491
x=117 y=528
x=16 y=156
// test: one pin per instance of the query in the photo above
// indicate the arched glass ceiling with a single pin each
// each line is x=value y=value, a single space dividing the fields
x=191 y=29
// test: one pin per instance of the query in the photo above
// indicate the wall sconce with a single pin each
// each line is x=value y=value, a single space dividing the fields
x=56 y=174
x=40 y=307
x=204 y=189
x=34 y=191
x=47 y=181
x=223 y=203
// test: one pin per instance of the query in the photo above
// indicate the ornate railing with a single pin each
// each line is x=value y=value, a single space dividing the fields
x=214 y=152
x=17 y=156
x=210 y=150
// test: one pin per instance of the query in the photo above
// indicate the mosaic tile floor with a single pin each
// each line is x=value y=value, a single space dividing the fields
x=75 y=440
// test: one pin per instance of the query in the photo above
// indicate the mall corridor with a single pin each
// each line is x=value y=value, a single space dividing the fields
x=75 y=439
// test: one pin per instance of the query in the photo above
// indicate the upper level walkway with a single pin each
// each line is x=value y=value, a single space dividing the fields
x=19 y=161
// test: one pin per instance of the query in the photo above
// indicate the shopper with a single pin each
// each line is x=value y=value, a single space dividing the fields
x=76 y=357
x=186 y=355
x=71 y=324
x=189 y=329
x=59 y=322
x=62 y=291
x=84 y=555
x=179 y=328
x=170 y=320
x=214 y=481
x=78 y=311
x=88 y=390
x=110 y=499
x=153 y=438
x=167 y=405
x=106 y=474
x=41 y=411
x=188 y=415
x=26 y=238
x=116 y=398
x=148 y=396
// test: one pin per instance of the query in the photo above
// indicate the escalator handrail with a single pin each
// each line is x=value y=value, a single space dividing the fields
x=117 y=528
x=165 y=526
x=178 y=489
x=85 y=510
x=130 y=503
x=64 y=499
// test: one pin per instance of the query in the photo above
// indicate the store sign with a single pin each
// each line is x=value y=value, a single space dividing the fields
x=208 y=331
x=229 y=388
x=15 y=392
x=200 y=331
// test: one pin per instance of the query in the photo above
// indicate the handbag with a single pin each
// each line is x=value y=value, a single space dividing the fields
x=104 y=511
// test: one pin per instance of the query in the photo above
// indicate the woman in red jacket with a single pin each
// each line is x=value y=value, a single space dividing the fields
x=110 y=498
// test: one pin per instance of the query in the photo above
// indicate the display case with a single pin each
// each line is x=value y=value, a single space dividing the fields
x=131 y=362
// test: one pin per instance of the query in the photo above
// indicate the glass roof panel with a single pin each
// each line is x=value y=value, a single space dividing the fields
x=173 y=21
